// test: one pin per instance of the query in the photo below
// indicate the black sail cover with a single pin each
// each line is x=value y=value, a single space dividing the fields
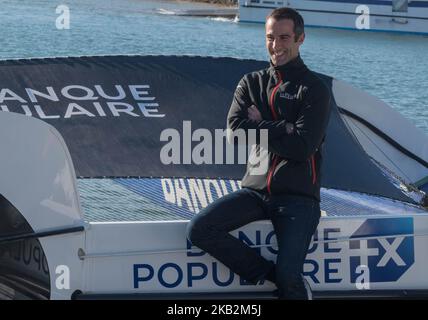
x=112 y=110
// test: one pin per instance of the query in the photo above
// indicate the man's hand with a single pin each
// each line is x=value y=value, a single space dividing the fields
x=254 y=114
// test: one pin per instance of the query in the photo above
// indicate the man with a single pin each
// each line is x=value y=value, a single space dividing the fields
x=293 y=104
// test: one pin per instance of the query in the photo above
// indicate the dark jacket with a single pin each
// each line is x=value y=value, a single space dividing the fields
x=295 y=106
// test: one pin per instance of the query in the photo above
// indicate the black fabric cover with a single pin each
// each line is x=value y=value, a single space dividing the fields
x=199 y=89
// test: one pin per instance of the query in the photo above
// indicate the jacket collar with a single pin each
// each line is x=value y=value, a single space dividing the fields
x=289 y=70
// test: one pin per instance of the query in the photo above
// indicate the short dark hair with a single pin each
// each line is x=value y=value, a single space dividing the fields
x=291 y=14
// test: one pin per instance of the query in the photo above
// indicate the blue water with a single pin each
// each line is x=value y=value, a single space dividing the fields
x=393 y=67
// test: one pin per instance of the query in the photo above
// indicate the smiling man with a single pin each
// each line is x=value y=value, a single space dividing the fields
x=293 y=104
x=283 y=39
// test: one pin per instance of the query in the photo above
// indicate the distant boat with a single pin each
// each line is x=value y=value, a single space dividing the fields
x=224 y=12
x=409 y=16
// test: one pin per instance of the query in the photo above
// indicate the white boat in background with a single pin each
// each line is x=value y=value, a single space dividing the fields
x=409 y=16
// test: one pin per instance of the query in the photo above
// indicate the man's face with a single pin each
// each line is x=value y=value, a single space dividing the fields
x=280 y=41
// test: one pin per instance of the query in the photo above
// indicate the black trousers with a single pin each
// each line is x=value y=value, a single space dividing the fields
x=294 y=219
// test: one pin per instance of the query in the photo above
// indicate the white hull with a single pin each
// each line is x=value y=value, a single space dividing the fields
x=335 y=14
x=153 y=257
x=143 y=262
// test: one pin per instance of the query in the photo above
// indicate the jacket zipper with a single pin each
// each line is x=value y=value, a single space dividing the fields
x=270 y=174
x=275 y=117
x=314 y=170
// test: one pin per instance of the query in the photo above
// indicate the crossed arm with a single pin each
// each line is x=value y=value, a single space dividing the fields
x=298 y=140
